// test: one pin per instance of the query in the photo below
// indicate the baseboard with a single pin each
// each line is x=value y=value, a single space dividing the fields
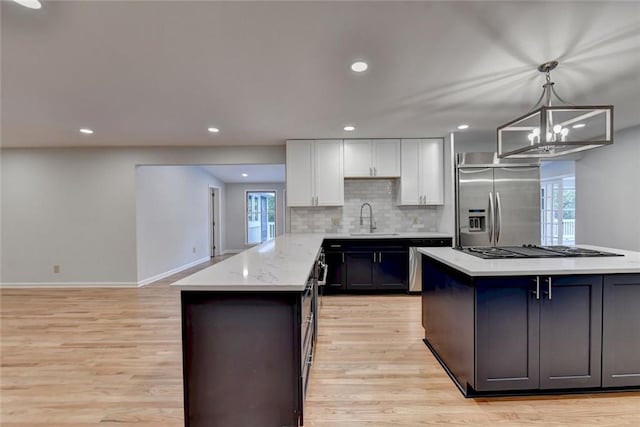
x=161 y=276
x=232 y=251
x=53 y=285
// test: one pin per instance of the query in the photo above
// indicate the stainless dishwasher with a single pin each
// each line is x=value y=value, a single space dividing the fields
x=415 y=259
x=415 y=270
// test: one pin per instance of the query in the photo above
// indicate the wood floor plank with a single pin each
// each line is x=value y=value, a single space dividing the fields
x=81 y=357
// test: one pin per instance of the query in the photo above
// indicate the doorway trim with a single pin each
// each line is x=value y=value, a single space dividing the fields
x=215 y=202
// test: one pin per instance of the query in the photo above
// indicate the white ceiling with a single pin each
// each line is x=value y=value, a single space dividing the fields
x=159 y=73
x=255 y=173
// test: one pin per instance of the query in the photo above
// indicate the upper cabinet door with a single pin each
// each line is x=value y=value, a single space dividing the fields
x=409 y=185
x=386 y=158
x=329 y=178
x=432 y=171
x=358 y=158
x=300 y=173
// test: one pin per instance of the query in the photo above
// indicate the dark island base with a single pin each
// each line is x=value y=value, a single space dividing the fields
x=469 y=391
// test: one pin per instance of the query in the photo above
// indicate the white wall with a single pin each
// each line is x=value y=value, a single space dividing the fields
x=608 y=193
x=172 y=218
x=235 y=214
x=76 y=207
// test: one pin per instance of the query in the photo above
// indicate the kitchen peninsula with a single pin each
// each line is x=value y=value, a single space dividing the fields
x=248 y=334
x=528 y=326
x=249 y=328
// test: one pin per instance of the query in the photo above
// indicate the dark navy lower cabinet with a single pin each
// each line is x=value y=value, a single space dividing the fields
x=371 y=265
x=538 y=332
x=571 y=332
x=621 y=331
x=390 y=270
x=532 y=334
x=507 y=331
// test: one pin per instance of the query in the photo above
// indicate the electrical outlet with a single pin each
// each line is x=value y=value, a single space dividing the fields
x=56 y=268
x=335 y=221
x=416 y=220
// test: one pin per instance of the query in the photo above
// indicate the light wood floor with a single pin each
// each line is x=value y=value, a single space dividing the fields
x=113 y=356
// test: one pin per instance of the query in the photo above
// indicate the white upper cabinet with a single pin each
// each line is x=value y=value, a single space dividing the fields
x=315 y=173
x=366 y=158
x=422 y=179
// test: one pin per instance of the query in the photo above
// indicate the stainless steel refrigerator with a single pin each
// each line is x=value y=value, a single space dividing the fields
x=497 y=201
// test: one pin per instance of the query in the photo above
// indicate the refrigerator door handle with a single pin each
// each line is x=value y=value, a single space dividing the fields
x=498 y=216
x=491 y=215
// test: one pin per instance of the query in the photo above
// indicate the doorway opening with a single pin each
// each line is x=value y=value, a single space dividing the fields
x=260 y=218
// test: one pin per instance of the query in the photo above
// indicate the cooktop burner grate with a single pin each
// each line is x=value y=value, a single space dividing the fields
x=534 y=251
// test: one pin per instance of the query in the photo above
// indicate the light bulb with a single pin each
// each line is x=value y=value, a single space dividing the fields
x=536 y=132
x=564 y=132
x=557 y=128
x=549 y=136
x=530 y=137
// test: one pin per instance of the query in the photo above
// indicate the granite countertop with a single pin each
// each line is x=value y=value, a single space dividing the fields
x=282 y=264
x=474 y=266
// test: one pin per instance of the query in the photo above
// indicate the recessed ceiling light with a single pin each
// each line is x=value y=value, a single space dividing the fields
x=86 y=131
x=579 y=125
x=349 y=128
x=245 y=175
x=31 y=4
x=359 y=66
x=463 y=127
x=213 y=130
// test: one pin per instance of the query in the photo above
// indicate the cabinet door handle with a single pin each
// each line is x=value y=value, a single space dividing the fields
x=375 y=171
x=374 y=257
x=537 y=291
x=549 y=288
x=379 y=256
x=343 y=257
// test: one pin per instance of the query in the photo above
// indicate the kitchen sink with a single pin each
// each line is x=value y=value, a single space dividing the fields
x=374 y=234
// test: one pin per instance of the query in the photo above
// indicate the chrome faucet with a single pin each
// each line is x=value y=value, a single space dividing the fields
x=372 y=223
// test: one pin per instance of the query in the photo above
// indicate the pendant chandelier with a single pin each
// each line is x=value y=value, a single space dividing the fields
x=555 y=130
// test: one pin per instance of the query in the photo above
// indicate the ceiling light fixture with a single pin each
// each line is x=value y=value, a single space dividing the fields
x=31 y=4
x=359 y=66
x=245 y=175
x=213 y=130
x=463 y=126
x=86 y=131
x=349 y=128
x=544 y=132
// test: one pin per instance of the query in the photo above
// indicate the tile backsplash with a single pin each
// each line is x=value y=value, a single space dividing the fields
x=381 y=194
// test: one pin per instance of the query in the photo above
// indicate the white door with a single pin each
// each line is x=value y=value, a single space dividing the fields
x=358 y=161
x=409 y=193
x=300 y=173
x=329 y=179
x=386 y=153
x=431 y=180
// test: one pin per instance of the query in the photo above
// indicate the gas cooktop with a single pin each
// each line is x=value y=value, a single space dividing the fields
x=533 y=251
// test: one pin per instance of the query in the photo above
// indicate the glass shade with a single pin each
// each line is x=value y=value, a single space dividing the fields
x=556 y=131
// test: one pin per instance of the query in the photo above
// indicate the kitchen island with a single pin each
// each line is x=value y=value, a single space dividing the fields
x=529 y=326
x=248 y=335
x=249 y=326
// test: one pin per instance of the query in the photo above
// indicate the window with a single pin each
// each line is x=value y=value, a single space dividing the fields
x=558 y=205
x=261 y=216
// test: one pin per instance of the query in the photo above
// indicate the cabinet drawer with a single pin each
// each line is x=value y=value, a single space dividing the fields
x=307 y=362
x=307 y=310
